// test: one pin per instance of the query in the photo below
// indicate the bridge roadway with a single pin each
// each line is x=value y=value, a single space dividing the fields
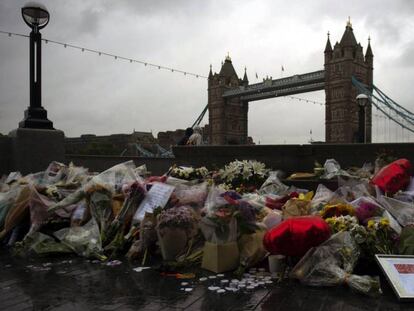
x=308 y=82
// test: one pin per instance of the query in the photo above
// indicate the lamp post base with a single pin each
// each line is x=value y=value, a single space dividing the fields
x=36 y=118
x=33 y=149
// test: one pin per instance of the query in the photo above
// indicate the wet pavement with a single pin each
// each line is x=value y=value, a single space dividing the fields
x=74 y=283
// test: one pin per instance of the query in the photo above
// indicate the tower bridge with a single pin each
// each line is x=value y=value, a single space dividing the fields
x=229 y=96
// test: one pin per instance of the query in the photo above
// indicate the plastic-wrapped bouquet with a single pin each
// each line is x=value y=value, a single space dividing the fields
x=342 y=223
x=189 y=173
x=377 y=237
x=243 y=176
x=380 y=237
x=339 y=209
x=366 y=208
x=332 y=264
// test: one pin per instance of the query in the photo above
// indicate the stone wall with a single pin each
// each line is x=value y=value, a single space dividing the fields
x=5 y=155
x=291 y=158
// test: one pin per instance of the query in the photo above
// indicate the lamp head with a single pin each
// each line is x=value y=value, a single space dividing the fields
x=35 y=15
x=362 y=99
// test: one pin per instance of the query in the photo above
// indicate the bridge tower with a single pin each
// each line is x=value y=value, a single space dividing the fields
x=342 y=62
x=227 y=117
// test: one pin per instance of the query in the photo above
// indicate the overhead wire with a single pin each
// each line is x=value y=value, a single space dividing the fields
x=115 y=56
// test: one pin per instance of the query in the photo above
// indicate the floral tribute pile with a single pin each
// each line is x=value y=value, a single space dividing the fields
x=230 y=219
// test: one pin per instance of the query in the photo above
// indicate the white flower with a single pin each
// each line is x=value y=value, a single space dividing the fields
x=258 y=168
x=246 y=172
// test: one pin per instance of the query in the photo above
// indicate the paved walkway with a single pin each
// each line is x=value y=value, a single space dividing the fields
x=77 y=284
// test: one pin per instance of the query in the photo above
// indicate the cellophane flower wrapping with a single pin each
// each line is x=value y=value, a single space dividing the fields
x=100 y=205
x=406 y=243
x=218 y=225
x=115 y=177
x=54 y=173
x=299 y=206
x=366 y=207
x=322 y=196
x=7 y=200
x=40 y=244
x=251 y=248
x=17 y=213
x=134 y=193
x=403 y=212
x=273 y=185
x=228 y=216
x=332 y=264
x=84 y=240
x=194 y=195
x=333 y=169
x=38 y=206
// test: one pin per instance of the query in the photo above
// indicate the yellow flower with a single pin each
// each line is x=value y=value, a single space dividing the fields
x=384 y=222
x=306 y=197
x=371 y=224
x=337 y=210
x=342 y=227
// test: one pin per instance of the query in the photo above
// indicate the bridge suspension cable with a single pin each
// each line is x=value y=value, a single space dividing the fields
x=389 y=108
x=200 y=117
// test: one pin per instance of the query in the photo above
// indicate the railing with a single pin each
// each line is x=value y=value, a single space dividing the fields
x=277 y=84
x=285 y=91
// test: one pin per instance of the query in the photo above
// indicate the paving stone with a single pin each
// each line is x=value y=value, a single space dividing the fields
x=82 y=285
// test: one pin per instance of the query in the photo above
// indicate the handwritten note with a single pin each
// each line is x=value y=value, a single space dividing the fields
x=158 y=195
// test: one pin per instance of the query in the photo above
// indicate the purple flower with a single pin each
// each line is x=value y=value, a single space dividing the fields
x=232 y=194
x=247 y=212
x=365 y=211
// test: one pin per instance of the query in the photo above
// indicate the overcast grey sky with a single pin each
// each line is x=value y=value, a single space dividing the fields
x=85 y=93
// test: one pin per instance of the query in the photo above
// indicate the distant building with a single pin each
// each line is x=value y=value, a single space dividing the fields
x=115 y=144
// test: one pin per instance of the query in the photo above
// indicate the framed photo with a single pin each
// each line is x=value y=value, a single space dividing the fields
x=399 y=270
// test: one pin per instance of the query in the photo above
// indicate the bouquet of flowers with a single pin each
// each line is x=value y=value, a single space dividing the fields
x=84 y=241
x=342 y=223
x=176 y=227
x=114 y=237
x=339 y=209
x=243 y=176
x=366 y=208
x=189 y=173
x=134 y=194
x=147 y=238
x=299 y=206
x=332 y=264
x=100 y=205
x=380 y=237
x=223 y=206
x=376 y=238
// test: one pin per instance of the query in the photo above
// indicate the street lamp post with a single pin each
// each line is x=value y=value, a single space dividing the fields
x=36 y=17
x=362 y=101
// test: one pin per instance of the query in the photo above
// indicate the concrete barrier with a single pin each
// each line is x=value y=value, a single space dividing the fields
x=291 y=158
x=5 y=155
